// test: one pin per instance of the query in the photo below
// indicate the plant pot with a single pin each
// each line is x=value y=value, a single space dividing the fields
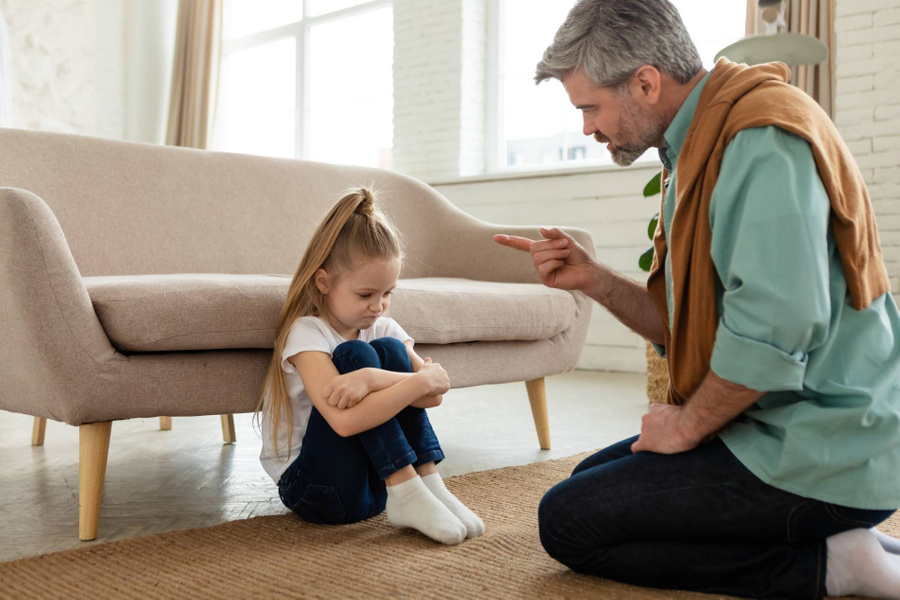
x=657 y=376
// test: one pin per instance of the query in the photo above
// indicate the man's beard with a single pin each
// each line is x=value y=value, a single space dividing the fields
x=639 y=131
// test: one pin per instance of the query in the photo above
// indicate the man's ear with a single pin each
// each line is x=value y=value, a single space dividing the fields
x=323 y=282
x=646 y=84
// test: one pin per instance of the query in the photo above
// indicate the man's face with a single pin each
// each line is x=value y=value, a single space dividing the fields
x=614 y=117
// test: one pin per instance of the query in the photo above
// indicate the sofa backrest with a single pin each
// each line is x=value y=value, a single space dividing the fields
x=129 y=208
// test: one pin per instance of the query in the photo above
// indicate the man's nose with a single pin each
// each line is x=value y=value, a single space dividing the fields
x=589 y=127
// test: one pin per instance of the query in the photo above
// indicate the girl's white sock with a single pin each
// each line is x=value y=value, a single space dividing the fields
x=474 y=524
x=858 y=565
x=410 y=504
x=890 y=544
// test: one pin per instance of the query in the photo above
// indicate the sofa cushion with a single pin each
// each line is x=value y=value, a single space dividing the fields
x=155 y=313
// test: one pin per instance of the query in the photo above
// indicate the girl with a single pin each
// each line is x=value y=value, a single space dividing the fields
x=345 y=434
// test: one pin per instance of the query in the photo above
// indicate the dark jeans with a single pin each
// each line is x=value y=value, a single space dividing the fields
x=697 y=521
x=340 y=479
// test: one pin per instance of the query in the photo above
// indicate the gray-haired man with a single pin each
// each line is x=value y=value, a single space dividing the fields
x=780 y=449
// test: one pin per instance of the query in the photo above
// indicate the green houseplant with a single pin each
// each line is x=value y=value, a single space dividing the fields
x=657 y=369
x=653 y=188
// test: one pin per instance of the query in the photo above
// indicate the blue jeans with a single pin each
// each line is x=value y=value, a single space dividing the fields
x=340 y=479
x=697 y=521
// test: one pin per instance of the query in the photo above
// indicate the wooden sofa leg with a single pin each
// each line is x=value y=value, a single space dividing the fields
x=537 y=395
x=93 y=448
x=228 y=429
x=165 y=423
x=37 y=432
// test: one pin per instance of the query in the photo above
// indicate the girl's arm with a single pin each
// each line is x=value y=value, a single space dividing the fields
x=346 y=390
x=417 y=362
x=317 y=371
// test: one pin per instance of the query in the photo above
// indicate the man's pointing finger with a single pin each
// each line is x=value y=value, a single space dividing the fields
x=513 y=241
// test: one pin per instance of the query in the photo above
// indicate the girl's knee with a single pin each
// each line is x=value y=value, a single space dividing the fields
x=355 y=354
x=393 y=354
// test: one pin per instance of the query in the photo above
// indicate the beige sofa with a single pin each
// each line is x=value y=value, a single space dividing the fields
x=145 y=281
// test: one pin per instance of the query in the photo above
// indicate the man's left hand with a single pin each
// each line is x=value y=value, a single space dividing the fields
x=663 y=431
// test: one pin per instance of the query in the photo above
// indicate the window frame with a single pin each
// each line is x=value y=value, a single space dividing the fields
x=299 y=30
x=496 y=162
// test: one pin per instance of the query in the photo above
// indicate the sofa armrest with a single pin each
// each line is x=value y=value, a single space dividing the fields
x=484 y=259
x=463 y=246
x=53 y=344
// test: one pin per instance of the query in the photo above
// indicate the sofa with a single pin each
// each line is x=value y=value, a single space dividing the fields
x=145 y=281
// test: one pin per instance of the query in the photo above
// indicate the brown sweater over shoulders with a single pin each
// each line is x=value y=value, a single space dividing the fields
x=738 y=97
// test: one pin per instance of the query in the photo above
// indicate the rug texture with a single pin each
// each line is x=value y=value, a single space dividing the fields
x=283 y=557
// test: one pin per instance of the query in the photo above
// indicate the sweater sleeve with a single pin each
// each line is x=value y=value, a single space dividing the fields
x=769 y=218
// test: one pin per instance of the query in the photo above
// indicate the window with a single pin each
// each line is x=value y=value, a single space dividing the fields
x=536 y=126
x=307 y=79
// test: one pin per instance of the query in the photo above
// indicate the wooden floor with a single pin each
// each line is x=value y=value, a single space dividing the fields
x=159 y=481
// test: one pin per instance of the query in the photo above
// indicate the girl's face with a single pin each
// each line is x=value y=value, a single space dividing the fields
x=357 y=297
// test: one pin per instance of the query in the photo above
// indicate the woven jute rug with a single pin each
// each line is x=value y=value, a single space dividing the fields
x=283 y=557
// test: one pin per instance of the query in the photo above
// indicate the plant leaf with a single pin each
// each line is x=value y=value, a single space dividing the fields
x=646 y=260
x=651 y=228
x=652 y=187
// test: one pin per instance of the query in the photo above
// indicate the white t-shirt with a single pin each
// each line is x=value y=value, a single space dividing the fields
x=316 y=335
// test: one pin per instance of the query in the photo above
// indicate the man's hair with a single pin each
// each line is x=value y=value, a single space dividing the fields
x=611 y=39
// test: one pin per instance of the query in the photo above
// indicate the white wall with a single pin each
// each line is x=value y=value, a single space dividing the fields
x=68 y=66
x=91 y=67
x=868 y=108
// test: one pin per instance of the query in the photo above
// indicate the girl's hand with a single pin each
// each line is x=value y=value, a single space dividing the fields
x=346 y=391
x=435 y=377
x=559 y=260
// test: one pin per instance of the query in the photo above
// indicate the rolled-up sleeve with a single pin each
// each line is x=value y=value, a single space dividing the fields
x=770 y=245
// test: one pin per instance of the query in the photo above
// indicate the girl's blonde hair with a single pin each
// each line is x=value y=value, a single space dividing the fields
x=353 y=229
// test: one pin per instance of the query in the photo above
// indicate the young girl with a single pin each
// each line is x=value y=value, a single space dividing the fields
x=343 y=401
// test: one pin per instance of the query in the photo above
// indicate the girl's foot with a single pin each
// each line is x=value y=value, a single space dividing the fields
x=858 y=565
x=410 y=504
x=474 y=524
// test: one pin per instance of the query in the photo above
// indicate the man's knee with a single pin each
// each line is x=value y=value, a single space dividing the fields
x=607 y=455
x=393 y=354
x=563 y=526
x=555 y=520
x=353 y=355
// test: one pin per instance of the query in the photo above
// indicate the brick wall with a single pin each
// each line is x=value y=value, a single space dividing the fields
x=868 y=107
x=439 y=82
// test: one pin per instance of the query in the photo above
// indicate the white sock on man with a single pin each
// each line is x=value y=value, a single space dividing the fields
x=410 y=504
x=891 y=544
x=474 y=524
x=858 y=565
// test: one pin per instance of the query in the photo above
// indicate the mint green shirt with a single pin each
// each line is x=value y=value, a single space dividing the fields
x=828 y=426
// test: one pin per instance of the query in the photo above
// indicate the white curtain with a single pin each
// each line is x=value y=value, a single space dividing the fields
x=194 y=72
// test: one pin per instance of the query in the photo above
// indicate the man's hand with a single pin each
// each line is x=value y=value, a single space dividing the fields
x=346 y=391
x=663 y=431
x=560 y=261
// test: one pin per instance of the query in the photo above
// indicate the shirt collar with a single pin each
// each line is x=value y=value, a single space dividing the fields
x=673 y=138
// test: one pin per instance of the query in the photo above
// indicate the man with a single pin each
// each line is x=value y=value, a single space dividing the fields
x=780 y=448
